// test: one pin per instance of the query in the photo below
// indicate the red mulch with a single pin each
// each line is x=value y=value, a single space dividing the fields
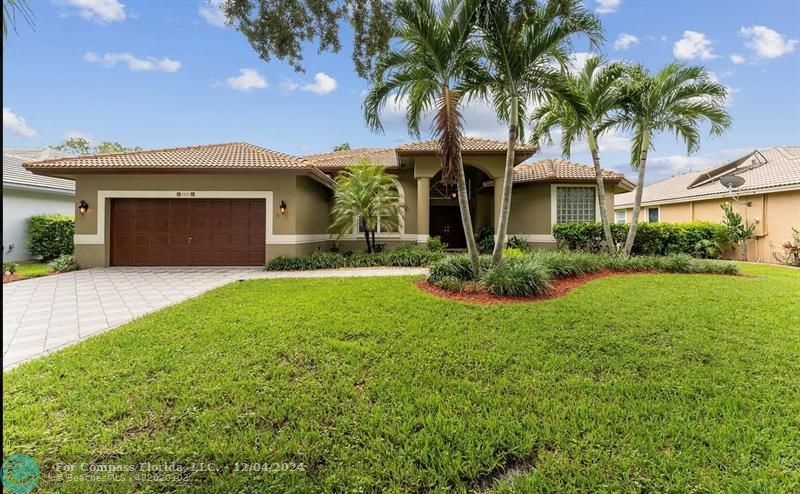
x=559 y=288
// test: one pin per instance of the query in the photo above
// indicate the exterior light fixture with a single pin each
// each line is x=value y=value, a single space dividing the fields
x=453 y=195
x=283 y=207
x=83 y=206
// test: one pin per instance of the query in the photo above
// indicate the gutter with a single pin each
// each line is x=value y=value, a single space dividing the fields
x=715 y=195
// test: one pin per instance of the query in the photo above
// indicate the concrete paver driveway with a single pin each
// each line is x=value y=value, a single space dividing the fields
x=43 y=314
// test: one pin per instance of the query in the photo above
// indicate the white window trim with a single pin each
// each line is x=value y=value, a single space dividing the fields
x=624 y=217
x=554 y=200
x=647 y=214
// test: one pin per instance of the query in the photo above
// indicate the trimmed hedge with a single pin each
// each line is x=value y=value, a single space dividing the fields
x=699 y=239
x=51 y=235
x=406 y=256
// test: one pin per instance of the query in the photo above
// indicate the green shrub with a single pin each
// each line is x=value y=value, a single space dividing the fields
x=435 y=244
x=365 y=260
x=485 y=239
x=318 y=260
x=520 y=276
x=51 y=235
x=457 y=266
x=513 y=252
x=450 y=284
x=9 y=267
x=64 y=263
x=716 y=267
x=566 y=264
x=406 y=256
x=411 y=256
x=515 y=242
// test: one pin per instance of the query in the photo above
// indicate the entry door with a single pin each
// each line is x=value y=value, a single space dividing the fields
x=445 y=222
x=188 y=232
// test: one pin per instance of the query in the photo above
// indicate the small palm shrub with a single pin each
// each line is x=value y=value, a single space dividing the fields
x=518 y=276
x=435 y=244
x=9 y=268
x=64 y=263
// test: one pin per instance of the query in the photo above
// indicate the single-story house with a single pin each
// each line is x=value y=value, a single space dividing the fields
x=769 y=196
x=26 y=195
x=240 y=204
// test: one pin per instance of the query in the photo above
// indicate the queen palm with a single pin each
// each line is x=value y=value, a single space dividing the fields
x=427 y=70
x=676 y=99
x=364 y=195
x=523 y=45
x=596 y=90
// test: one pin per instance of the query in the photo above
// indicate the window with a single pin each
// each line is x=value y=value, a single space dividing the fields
x=382 y=228
x=620 y=217
x=575 y=204
x=653 y=215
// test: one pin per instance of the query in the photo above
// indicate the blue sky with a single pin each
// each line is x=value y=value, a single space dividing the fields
x=164 y=74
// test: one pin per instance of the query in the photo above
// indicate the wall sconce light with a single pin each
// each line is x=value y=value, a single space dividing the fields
x=453 y=195
x=83 y=206
x=283 y=207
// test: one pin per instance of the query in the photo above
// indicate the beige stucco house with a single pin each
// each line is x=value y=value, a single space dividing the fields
x=240 y=204
x=769 y=197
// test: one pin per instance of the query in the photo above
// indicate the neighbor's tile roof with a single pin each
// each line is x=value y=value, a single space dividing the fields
x=340 y=159
x=15 y=174
x=551 y=170
x=468 y=145
x=236 y=155
x=781 y=169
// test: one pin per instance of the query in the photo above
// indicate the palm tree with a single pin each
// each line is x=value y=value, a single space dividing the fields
x=676 y=99
x=10 y=10
x=427 y=70
x=365 y=194
x=523 y=46
x=597 y=89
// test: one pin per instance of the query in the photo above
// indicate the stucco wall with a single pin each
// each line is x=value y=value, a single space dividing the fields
x=530 y=210
x=18 y=206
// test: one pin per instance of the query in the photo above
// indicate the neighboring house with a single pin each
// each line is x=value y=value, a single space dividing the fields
x=240 y=204
x=769 y=197
x=26 y=195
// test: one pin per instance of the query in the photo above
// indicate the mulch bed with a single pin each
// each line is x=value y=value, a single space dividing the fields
x=559 y=288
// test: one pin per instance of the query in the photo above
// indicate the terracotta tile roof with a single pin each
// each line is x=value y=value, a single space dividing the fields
x=14 y=174
x=235 y=155
x=554 y=170
x=469 y=145
x=339 y=159
x=770 y=168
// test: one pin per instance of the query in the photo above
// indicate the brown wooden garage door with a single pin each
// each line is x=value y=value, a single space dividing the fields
x=187 y=232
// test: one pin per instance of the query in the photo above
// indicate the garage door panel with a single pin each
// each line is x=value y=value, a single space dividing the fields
x=156 y=232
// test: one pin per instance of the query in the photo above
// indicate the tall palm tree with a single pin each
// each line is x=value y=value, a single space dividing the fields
x=10 y=10
x=676 y=99
x=597 y=89
x=523 y=44
x=365 y=194
x=435 y=54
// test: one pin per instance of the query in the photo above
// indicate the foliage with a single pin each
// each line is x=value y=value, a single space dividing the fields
x=33 y=269
x=517 y=276
x=516 y=242
x=596 y=386
x=485 y=239
x=450 y=284
x=9 y=267
x=51 y=235
x=10 y=10
x=404 y=256
x=280 y=28
x=80 y=146
x=652 y=238
x=411 y=256
x=736 y=231
x=345 y=146
x=365 y=193
x=567 y=264
x=64 y=263
x=435 y=244
x=791 y=255
x=513 y=252
x=456 y=266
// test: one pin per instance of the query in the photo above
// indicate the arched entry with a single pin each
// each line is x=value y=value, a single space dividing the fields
x=445 y=215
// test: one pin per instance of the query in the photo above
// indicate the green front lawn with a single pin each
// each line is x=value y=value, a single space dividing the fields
x=33 y=269
x=641 y=383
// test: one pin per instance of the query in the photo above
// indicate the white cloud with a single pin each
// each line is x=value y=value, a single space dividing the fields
x=135 y=64
x=731 y=90
x=766 y=42
x=693 y=45
x=247 y=80
x=211 y=11
x=737 y=59
x=16 y=125
x=323 y=84
x=607 y=6
x=577 y=61
x=289 y=85
x=625 y=41
x=100 y=11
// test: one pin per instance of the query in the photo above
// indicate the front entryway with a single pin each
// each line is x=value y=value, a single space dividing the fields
x=445 y=223
x=188 y=232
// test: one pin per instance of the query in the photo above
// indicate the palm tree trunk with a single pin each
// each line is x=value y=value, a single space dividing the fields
x=601 y=192
x=637 y=200
x=466 y=217
x=366 y=237
x=508 y=183
x=373 y=242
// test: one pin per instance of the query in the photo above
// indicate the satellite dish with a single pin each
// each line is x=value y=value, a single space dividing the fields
x=731 y=182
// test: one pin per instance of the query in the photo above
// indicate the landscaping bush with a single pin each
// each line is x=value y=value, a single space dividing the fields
x=64 y=263
x=519 y=276
x=515 y=242
x=317 y=260
x=450 y=284
x=457 y=266
x=51 y=235
x=791 y=254
x=411 y=256
x=697 y=238
x=405 y=256
x=512 y=252
x=485 y=239
x=566 y=264
x=9 y=268
x=435 y=244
